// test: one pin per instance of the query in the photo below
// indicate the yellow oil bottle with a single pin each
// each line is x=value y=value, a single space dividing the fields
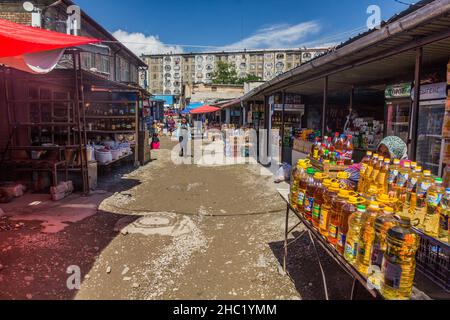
x=399 y=263
x=433 y=204
x=376 y=170
x=295 y=178
x=354 y=232
x=384 y=221
x=444 y=228
x=392 y=177
x=423 y=185
x=326 y=208
x=367 y=237
x=382 y=177
x=364 y=165
x=411 y=192
x=400 y=186
x=334 y=219
x=371 y=194
x=368 y=175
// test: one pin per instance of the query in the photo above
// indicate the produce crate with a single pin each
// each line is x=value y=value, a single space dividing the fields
x=328 y=169
x=433 y=260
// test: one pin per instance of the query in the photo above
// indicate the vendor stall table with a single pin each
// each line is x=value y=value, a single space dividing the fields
x=316 y=237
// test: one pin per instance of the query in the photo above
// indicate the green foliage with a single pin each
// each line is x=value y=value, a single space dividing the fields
x=226 y=74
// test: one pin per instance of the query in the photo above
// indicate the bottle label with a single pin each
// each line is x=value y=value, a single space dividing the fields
x=433 y=199
x=402 y=179
x=316 y=154
x=351 y=249
x=377 y=255
x=300 y=198
x=323 y=219
x=341 y=239
x=316 y=212
x=309 y=202
x=392 y=176
x=333 y=231
x=411 y=184
x=423 y=188
x=392 y=274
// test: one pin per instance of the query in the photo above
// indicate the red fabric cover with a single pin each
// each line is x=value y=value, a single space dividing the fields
x=17 y=39
x=205 y=109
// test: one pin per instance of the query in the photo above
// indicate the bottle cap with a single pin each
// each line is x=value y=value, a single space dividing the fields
x=361 y=208
x=369 y=153
x=327 y=182
x=344 y=194
x=387 y=161
x=439 y=180
x=427 y=173
x=319 y=176
x=310 y=171
x=418 y=169
x=396 y=161
x=376 y=155
x=374 y=204
x=335 y=186
x=413 y=164
x=381 y=158
x=343 y=175
x=407 y=164
x=353 y=200
x=388 y=210
x=384 y=198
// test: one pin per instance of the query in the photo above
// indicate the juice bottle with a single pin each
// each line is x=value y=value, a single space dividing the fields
x=444 y=234
x=319 y=198
x=399 y=263
x=402 y=179
x=302 y=185
x=422 y=189
x=311 y=186
x=369 y=172
x=336 y=208
x=392 y=177
x=354 y=232
x=433 y=204
x=382 y=177
x=367 y=237
x=364 y=165
x=327 y=207
x=348 y=209
x=411 y=192
x=383 y=223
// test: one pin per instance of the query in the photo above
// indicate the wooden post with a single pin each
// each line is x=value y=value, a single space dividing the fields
x=283 y=124
x=412 y=143
x=325 y=103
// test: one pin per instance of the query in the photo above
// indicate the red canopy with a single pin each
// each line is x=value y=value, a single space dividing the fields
x=205 y=109
x=17 y=39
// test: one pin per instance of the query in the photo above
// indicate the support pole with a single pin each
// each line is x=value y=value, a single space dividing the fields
x=325 y=103
x=283 y=122
x=412 y=143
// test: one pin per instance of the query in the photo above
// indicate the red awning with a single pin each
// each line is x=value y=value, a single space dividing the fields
x=17 y=40
x=205 y=109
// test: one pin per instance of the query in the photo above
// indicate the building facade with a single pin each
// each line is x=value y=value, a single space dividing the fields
x=169 y=72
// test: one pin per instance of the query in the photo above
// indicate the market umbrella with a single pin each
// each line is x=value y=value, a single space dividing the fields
x=205 y=109
x=32 y=49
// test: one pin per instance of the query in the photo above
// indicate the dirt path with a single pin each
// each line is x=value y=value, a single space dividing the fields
x=170 y=232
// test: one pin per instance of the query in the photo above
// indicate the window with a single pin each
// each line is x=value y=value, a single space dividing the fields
x=105 y=64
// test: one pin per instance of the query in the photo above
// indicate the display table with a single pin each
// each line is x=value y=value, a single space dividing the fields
x=317 y=238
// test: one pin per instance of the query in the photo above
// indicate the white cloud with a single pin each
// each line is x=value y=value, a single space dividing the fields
x=277 y=36
x=140 y=44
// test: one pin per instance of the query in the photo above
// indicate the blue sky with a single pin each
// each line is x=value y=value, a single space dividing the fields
x=159 y=25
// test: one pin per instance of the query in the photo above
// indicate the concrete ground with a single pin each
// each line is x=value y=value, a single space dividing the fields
x=164 y=231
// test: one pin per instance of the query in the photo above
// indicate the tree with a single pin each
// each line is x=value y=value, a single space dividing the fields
x=225 y=74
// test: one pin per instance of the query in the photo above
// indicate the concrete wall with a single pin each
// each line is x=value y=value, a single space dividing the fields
x=204 y=92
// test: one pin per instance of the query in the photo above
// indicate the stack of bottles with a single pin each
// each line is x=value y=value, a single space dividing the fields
x=370 y=228
x=337 y=151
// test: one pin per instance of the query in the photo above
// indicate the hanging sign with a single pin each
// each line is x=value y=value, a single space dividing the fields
x=402 y=90
x=435 y=91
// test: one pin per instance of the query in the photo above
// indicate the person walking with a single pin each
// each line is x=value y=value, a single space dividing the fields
x=183 y=135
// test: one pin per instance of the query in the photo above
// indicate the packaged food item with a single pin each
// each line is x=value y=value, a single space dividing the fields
x=309 y=194
x=319 y=198
x=434 y=208
x=411 y=192
x=347 y=210
x=382 y=178
x=420 y=209
x=367 y=238
x=326 y=208
x=364 y=165
x=336 y=210
x=392 y=177
x=354 y=233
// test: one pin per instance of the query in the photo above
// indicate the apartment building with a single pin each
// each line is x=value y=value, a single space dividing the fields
x=168 y=73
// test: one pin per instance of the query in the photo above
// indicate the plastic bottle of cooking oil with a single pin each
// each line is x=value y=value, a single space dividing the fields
x=392 y=177
x=423 y=185
x=413 y=166
x=399 y=263
x=364 y=165
x=385 y=201
x=295 y=177
x=336 y=209
x=309 y=194
x=301 y=193
x=368 y=175
x=383 y=223
x=382 y=177
x=433 y=204
x=348 y=209
x=376 y=170
x=326 y=208
x=444 y=230
x=371 y=193
x=402 y=179
x=411 y=192
x=354 y=233
x=367 y=238
x=319 y=197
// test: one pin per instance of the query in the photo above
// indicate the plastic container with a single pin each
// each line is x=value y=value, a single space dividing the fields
x=103 y=156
